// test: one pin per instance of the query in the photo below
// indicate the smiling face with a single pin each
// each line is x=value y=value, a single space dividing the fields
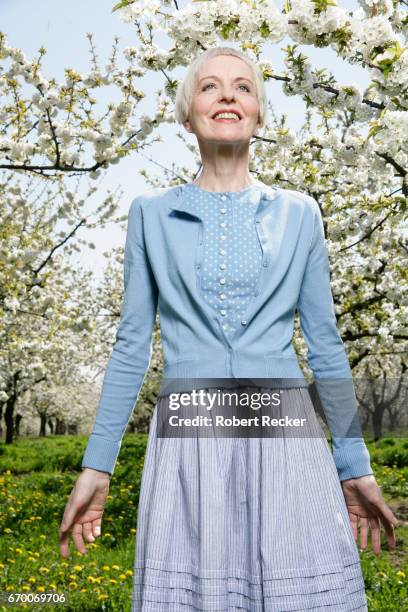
x=225 y=84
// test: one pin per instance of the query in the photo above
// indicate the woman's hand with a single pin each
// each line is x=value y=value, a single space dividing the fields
x=365 y=504
x=84 y=510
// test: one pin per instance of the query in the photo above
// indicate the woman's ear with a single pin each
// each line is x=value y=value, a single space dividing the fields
x=187 y=125
x=258 y=127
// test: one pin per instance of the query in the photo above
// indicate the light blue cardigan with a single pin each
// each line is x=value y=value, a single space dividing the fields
x=162 y=263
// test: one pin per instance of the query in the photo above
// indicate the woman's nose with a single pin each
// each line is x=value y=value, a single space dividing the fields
x=227 y=94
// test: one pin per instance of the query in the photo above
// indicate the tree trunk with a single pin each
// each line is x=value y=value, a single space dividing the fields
x=377 y=422
x=43 y=423
x=17 y=422
x=10 y=405
x=60 y=427
x=51 y=425
x=8 y=417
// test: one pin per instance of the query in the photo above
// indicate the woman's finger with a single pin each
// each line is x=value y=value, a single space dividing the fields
x=64 y=528
x=87 y=532
x=363 y=532
x=387 y=518
x=354 y=524
x=73 y=507
x=375 y=534
x=77 y=537
x=63 y=543
x=97 y=527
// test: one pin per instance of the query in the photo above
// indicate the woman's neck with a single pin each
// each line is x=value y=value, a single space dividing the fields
x=224 y=183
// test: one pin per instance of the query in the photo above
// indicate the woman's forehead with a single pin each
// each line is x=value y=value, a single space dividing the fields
x=226 y=63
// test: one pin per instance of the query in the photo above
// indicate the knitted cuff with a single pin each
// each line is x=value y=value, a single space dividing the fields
x=101 y=454
x=351 y=458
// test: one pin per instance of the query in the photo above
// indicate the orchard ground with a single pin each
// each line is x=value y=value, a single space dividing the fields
x=37 y=475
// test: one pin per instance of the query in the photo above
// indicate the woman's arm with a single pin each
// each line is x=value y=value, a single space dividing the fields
x=328 y=360
x=131 y=352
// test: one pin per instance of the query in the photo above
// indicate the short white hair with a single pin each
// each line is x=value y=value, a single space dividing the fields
x=186 y=88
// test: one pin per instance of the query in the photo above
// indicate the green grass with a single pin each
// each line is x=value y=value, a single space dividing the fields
x=37 y=475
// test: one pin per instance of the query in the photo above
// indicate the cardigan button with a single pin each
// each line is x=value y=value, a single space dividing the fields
x=243 y=322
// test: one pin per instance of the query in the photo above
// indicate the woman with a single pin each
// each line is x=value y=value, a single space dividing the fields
x=247 y=523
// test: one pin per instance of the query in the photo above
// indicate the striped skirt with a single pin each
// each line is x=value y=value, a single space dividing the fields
x=245 y=524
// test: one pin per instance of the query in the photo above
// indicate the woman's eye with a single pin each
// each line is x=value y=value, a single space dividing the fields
x=241 y=85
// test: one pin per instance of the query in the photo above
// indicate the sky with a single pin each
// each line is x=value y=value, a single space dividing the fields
x=61 y=28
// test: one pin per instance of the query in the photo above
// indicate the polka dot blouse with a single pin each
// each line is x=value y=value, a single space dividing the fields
x=232 y=255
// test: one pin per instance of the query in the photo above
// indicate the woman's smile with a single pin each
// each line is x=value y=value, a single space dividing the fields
x=226 y=120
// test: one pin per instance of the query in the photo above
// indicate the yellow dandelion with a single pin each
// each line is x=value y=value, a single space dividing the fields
x=10 y=560
x=133 y=530
x=53 y=585
x=83 y=591
x=41 y=588
x=64 y=564
x=19 y=551
x=102 y=596
x=78 y=568
x=72 y=585
x=123 y=576
x=401 y=574
x=30 y=558
x=42 y=536
x=44 y=569
x=129 y=573
x=7 y=530
x=105 y=568
x=115 y=567
x=113 y=581
x=31 y=579
x=1 y=566
x=25 y=588
x=91 y=579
